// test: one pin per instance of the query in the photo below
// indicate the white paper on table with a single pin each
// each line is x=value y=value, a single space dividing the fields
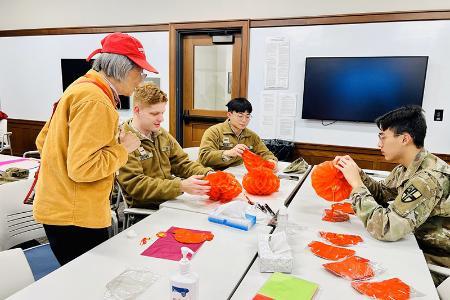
x=286 y=128
x=276 y=63
x=287 y=104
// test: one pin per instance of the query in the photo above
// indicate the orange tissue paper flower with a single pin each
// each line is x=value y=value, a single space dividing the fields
x=224 y=186
x=261 y=181
x=253 y=161
x=329 y=183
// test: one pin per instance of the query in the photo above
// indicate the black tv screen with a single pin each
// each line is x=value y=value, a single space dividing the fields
x=361 y=88
x=72 y=69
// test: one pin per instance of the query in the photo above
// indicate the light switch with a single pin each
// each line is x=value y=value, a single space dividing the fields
x=438 y=114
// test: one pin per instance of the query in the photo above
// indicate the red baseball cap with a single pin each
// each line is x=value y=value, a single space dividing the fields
x=124 y=44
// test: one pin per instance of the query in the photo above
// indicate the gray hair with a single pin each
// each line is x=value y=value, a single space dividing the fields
x=113 y=65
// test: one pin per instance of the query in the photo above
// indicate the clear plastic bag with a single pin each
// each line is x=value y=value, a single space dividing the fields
x=130 y=284
x=390 y=289
x=293 y=228
x=354 y=268
x=335 y=216
x=340 y=239
x=329 y=252
x=343 y=207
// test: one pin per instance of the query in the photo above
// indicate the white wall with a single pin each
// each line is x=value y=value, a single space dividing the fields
x=30 y=72
x=382 y=39
x=30 y=76
x=21 y=14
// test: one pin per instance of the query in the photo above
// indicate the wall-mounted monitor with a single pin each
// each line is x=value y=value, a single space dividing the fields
x=361 y=88
x=72 y=69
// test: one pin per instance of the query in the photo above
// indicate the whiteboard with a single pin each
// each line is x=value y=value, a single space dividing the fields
x=429 y=38
x=30 y=69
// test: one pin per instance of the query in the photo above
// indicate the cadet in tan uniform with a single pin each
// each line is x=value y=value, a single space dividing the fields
x=154 y=172
x=222 y=144
x=414 y=197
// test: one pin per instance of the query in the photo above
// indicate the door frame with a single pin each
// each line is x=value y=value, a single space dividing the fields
x=176 y=33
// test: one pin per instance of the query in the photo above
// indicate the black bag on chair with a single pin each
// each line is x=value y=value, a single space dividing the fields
x=280 y=148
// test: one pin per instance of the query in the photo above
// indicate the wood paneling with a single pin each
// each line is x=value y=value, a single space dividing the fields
x=254 y=23
x=366 y=158
x=195 y=132
x=24 y=133
x=353 y=19
x=84 y=30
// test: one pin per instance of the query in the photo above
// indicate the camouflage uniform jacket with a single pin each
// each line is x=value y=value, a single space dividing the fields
x=414 y=199
x=13 y=174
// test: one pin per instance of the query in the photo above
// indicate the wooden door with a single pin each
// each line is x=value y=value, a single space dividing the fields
x=211 y=77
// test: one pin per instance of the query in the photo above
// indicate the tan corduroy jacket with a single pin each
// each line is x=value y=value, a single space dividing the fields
x=79 y=156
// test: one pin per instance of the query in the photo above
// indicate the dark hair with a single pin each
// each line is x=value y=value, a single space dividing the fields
x=239 y=105
x=409 y=119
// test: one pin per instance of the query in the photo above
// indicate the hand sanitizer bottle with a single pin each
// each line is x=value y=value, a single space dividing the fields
x=184 y=285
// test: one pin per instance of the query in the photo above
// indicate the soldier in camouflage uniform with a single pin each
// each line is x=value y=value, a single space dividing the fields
x=415 y=197
x=159 y=170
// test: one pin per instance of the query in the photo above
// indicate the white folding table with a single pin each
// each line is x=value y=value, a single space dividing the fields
x=17 y=224
x=201 y=204
x=402 y=259
x=220 y=263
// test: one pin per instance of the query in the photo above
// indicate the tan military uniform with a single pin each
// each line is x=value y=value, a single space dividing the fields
x=414 y=199
x=221 y=137
x=148 y=178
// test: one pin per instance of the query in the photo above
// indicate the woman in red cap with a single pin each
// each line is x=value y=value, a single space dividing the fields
x=81 y=149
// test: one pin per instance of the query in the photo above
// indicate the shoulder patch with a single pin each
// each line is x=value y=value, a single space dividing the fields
x=411 y=194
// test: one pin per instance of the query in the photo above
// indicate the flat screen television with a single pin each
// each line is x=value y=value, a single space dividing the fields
x=361 y=88
x=72 y=69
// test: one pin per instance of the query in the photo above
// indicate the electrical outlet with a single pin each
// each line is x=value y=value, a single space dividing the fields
x=438 y=114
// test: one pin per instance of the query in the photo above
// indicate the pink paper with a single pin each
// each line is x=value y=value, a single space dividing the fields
x=7 y=162
x=169 y=248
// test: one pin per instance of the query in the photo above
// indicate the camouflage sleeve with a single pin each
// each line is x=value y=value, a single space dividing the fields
x=181 y=165
x=382 y=191
x=407 y=212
